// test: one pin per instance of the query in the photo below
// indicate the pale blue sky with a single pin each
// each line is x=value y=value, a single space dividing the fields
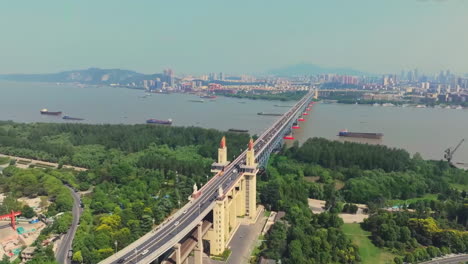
x=239 y=36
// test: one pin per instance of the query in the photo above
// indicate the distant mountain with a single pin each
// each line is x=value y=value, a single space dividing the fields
x=312 y=69
x=88 y=76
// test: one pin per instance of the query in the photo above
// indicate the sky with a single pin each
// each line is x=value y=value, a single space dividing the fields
x=237 y=36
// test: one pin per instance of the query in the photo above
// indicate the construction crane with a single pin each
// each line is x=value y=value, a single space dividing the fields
x=12 y=216
x=449 y=152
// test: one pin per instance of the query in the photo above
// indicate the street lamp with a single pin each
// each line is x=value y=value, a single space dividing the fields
x=116 y=243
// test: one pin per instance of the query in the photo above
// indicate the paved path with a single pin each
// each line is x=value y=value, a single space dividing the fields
x=455 y=259
x=67 y=239
x=244 y=240
x=35 y=162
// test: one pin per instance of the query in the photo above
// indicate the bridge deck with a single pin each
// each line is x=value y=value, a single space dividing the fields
x=178 y=226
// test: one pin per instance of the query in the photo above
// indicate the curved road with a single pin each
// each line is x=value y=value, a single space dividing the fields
x=67 y=239
x=161 y=239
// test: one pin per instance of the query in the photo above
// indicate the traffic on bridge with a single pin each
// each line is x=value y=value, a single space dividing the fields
x=163 y=238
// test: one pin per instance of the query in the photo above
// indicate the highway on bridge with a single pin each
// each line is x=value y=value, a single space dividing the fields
x=177 y=226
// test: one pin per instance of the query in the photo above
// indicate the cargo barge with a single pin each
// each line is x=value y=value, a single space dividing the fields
x=208 y=96
x=238 y=130
x=345 y=133
x=159 y=122
x=269 y=114
x=72 y=118
x=47 y=112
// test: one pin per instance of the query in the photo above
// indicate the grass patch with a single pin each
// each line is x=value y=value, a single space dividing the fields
x=369 y=253
x=224 y=256
x=267 y=213
x=4 y=160
x=412 y=200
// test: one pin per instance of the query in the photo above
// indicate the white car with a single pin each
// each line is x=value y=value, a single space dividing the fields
x=176 y=223
x=145 y=252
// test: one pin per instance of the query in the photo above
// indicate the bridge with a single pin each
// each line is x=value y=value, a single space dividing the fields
x=213 y=213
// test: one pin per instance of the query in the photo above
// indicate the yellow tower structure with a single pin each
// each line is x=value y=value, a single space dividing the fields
x=222 y=157
x=222 y=151
x=250 y=175
x=316 y=94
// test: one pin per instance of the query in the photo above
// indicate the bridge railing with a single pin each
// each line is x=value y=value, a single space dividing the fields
x=288 y=115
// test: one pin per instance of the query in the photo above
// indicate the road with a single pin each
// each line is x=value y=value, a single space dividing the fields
x=244 y=241
x=449 y=260
x=67 y=239
x=165 y=236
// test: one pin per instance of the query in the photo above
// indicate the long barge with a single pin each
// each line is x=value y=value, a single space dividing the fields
x=238 y=130
x=159 y=122
x=269 y=114
x=345 y=133
x=47 y=112
x=72 y=118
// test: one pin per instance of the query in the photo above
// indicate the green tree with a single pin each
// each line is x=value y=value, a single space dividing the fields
x=77 y=257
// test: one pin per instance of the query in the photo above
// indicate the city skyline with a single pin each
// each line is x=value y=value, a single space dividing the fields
x=207 y=36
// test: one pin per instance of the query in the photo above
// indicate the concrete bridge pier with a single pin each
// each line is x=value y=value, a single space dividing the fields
x=178 y=253
x=198 y=251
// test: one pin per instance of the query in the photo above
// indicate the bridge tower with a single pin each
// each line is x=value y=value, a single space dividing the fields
x=250 y=175
x=316 y=94
x=222 y=157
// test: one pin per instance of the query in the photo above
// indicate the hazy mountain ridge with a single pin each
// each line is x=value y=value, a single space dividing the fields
x=312 y=69
x=88 y=76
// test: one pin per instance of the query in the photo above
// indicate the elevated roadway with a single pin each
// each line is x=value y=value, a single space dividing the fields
x=168 y=234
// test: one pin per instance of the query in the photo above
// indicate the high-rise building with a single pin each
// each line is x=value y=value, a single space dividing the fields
x=169 y=77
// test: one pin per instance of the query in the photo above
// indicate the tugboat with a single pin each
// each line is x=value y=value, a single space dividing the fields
x=159 y=122
x=47 y=112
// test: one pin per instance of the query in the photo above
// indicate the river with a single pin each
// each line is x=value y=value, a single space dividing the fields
x=428 y=131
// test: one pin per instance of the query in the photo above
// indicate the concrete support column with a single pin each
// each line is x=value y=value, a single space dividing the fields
x=177 y=253
x=198 y=251
x=251 y=196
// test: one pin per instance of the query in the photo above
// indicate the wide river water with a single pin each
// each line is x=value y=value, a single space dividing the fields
x=428 y=131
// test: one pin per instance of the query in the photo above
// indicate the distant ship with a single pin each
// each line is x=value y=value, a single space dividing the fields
x=238 y=130
x=197 y=101
x=269 y=114
x=72 y=118
x=345 y=133
x=159 y=122
x=47 y=112
x=208 y=96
